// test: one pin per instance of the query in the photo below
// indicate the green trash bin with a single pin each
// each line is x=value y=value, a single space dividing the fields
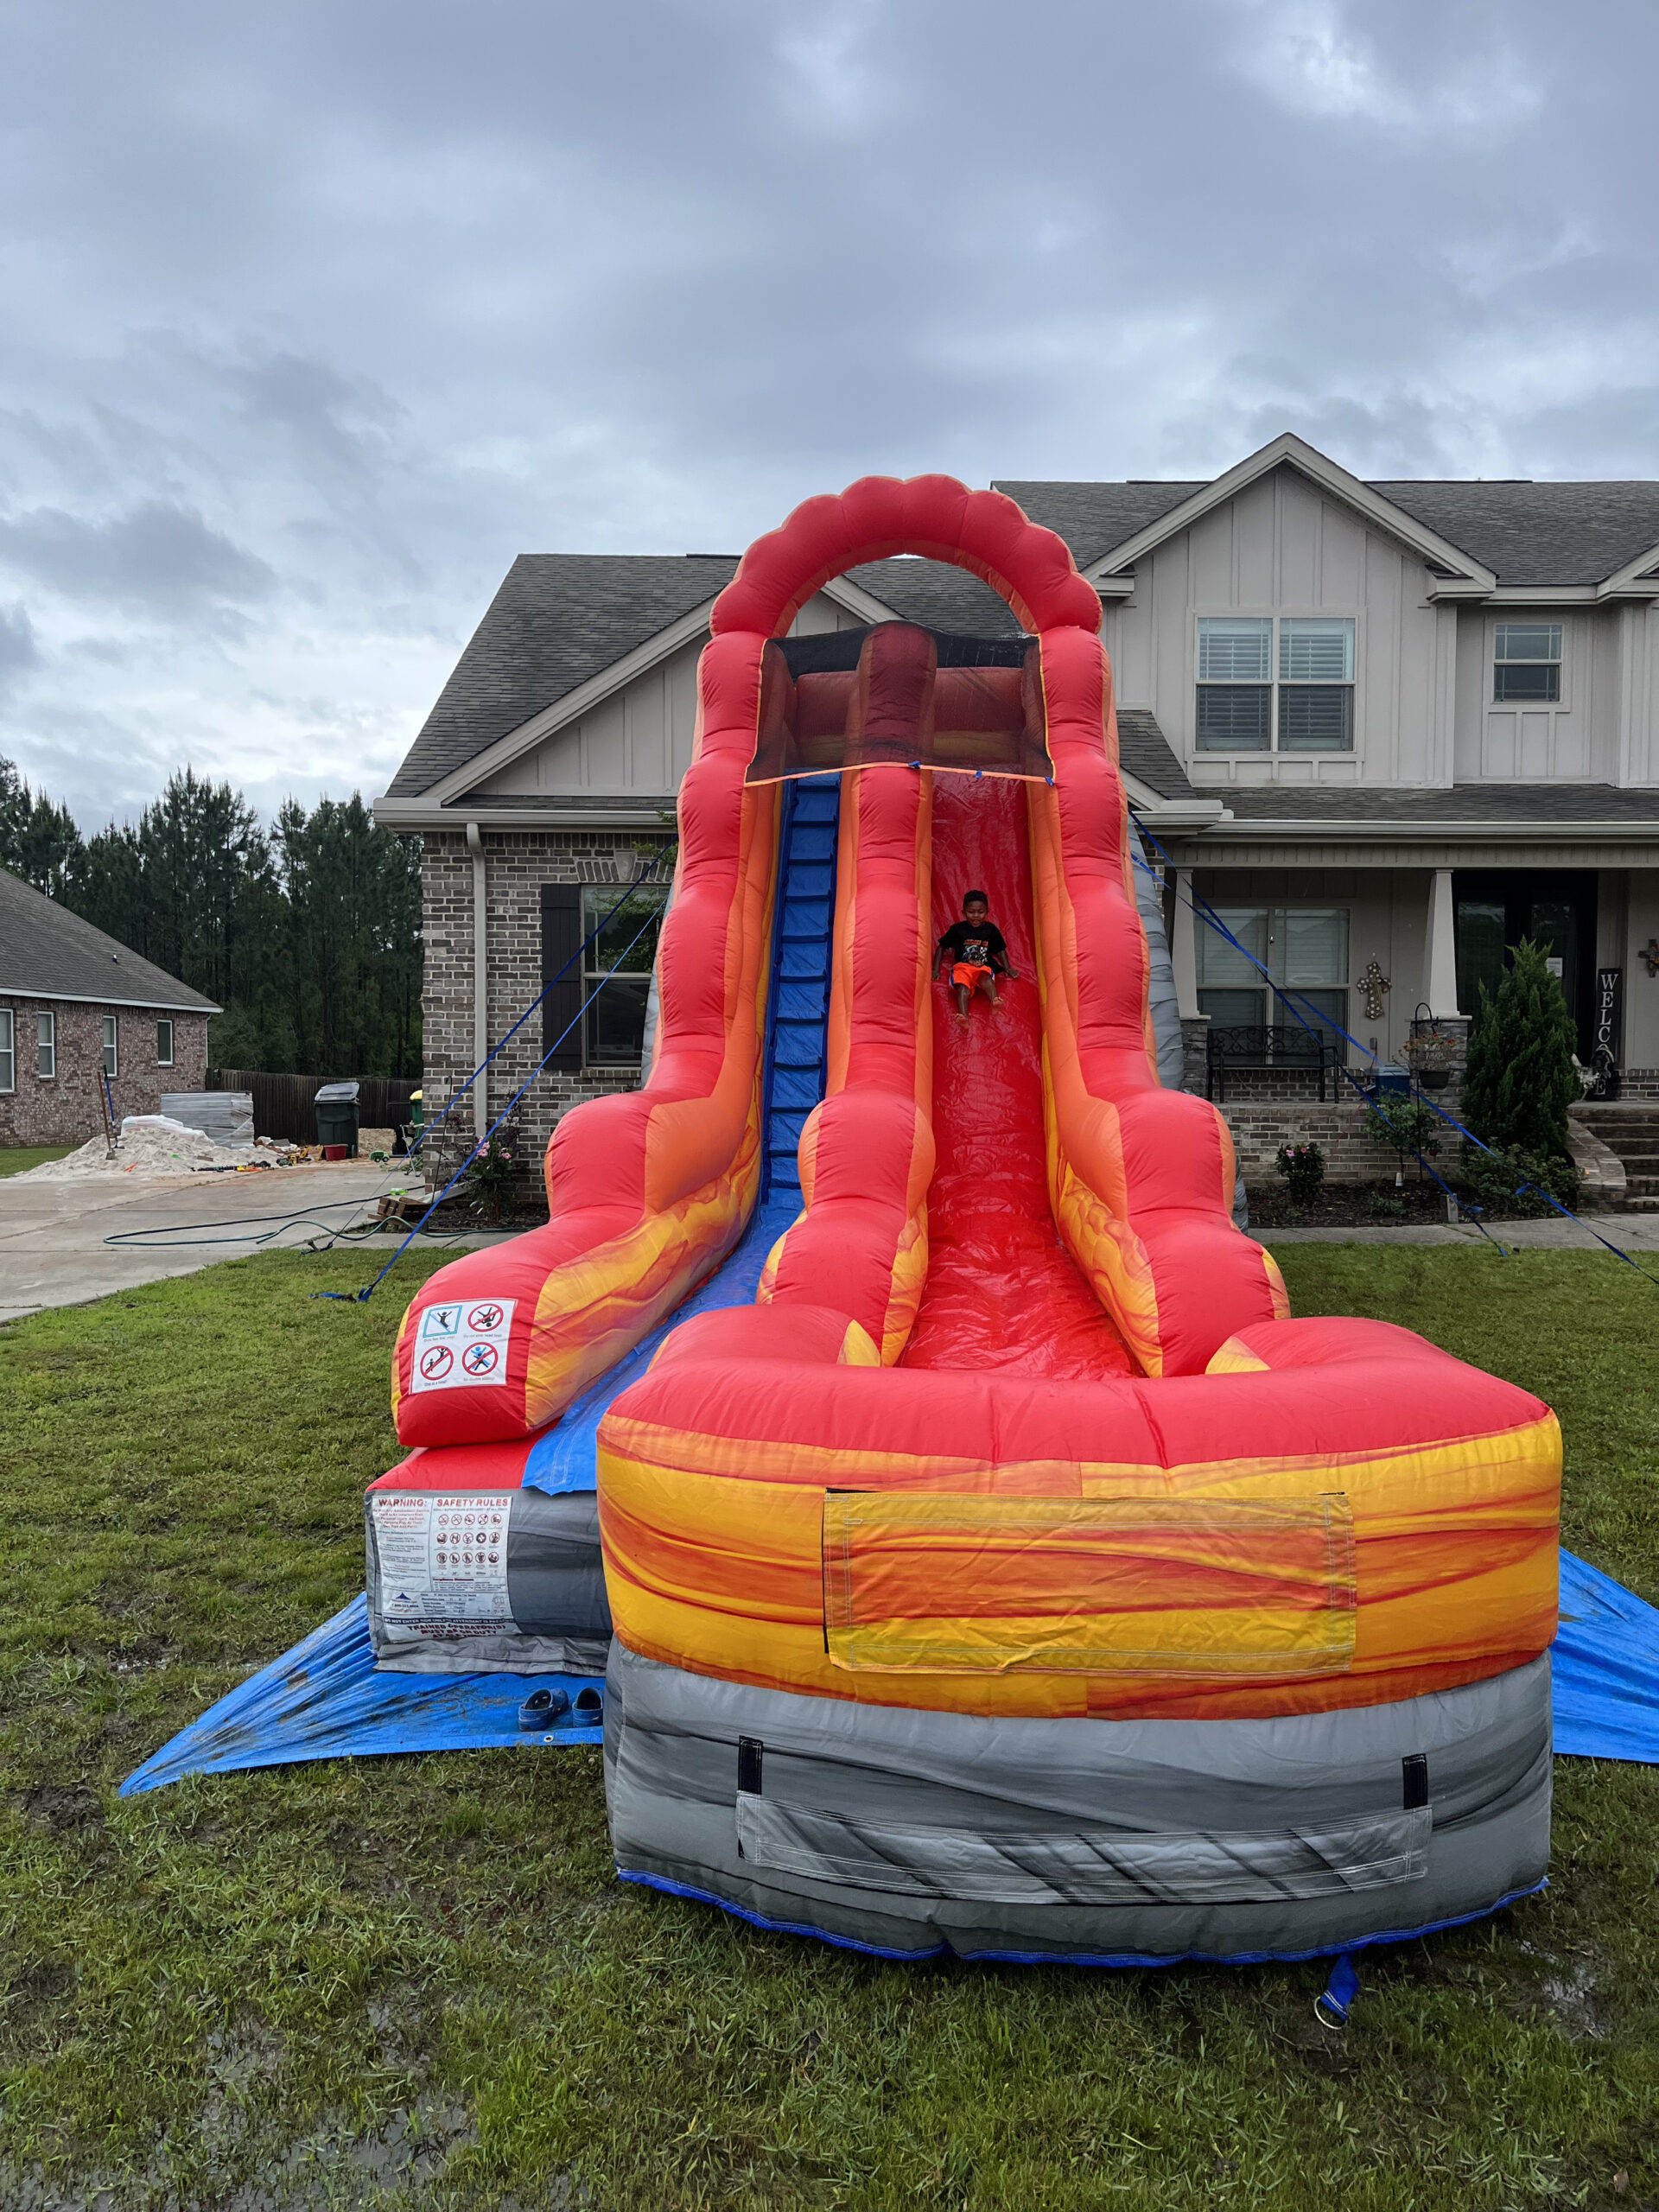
x=336 y=1104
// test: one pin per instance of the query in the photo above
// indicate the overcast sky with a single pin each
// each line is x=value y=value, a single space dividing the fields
x=315 y=314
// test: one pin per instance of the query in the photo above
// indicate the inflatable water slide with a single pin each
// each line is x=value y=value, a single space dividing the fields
x=981 y=1554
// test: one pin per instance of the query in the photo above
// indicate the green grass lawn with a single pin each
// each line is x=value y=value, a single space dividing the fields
x=18 y=1159
x=416 y=1982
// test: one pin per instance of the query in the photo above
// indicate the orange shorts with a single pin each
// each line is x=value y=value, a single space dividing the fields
x=967 y=976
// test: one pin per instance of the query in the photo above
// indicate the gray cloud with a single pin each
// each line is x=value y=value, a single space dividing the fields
x=19 y=654
x=157 y=558
x=320 y=315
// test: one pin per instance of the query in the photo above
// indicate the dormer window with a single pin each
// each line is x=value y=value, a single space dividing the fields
x=1527 y=664
x=1289 y=692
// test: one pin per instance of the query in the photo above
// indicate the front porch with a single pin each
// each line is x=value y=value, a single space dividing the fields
x=1376 y=953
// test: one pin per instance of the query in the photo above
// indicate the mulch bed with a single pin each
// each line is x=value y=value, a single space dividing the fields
x=1348 y=1205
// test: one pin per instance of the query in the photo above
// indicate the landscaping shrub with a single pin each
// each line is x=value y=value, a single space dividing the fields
x=1410 y=1129
x=1302 y=1166
x=489 y=1179
x=1521 y=1076
x=1490 y=1179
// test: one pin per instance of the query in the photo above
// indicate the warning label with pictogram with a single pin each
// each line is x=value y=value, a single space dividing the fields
x=463 y=1344
x=442 y=1559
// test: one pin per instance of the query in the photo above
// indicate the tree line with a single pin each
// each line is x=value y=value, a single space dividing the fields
x=306 y=932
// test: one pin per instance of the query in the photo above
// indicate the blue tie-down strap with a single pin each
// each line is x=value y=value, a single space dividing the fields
x=324 y=1700
x=1336 y=2000
x=563 y=1457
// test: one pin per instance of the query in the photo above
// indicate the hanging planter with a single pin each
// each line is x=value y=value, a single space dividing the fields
x=1429 y=1052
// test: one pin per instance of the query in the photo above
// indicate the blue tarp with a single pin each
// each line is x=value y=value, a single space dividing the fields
x=324 y=1699
x=1605 y=1667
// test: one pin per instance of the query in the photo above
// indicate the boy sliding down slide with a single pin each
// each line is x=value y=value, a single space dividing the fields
x=978 y=953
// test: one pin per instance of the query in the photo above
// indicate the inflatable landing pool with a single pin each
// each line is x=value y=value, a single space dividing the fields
x=989 y=1560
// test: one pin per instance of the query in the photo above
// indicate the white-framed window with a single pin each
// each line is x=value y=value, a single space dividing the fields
x=163 y=1044
x=614 y=1027
x=8 y=1056
x=1275 y=683
x=1527 y=663
x=46 y=1045
x=1303 y=950
x=112 y=1043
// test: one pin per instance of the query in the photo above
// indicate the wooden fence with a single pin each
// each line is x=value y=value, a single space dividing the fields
x=285 y=1105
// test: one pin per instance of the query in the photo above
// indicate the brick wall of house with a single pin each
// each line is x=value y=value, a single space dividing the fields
x=1259 y=1128
x=517 y=864
x=63 y=1108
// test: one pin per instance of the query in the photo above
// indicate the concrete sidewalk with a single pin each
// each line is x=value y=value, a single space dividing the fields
x=1631 y=1232
x=53 y=1230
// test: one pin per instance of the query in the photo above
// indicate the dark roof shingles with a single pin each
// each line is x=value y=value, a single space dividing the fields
x=1145 y=753
x=47 y=952
x=1092 y=518
x=558 y=620
x=1533 y=534
x=1475 y=803
x=1527 y=534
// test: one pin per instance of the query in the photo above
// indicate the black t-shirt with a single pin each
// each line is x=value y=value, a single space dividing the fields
x=976 y=945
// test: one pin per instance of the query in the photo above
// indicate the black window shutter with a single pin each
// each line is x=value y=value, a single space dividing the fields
x=561 y=945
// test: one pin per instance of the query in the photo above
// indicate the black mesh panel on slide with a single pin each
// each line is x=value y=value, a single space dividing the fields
x=905 y=698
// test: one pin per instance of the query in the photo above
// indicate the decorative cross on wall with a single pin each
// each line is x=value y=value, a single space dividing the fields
x=1649 y=955
x=1373 y=985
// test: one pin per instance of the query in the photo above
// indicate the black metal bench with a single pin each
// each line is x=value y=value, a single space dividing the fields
x=1264 y=1048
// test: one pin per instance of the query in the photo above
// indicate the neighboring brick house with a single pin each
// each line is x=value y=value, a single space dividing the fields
x=1385 y=729
x=76 y=1005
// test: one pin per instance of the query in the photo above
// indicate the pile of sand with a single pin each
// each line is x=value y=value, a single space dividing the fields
x=149 y=1144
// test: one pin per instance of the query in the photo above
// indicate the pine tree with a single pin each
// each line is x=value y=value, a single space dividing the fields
x=1521 y=1077
x=309 y=939
x=38 y=839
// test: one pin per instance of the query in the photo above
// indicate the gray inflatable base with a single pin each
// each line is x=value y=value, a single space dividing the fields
x=1106 y=1842
x=560 y=1617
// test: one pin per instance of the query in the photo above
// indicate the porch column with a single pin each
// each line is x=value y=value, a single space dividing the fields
x=1440 y=970
x=1183 y=948
x=1184 y=962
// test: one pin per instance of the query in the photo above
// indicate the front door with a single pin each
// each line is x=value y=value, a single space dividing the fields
x=1557 y=908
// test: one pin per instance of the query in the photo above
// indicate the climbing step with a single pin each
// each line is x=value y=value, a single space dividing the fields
x=798 y=1021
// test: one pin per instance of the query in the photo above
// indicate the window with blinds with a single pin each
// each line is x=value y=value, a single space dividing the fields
x=1289 y=692
x=1303 y=949
x=1527 y=661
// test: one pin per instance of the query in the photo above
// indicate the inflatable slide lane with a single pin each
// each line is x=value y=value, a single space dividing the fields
x=1014 y=1575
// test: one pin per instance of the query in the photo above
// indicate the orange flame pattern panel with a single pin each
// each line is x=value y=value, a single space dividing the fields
x=932 y=1583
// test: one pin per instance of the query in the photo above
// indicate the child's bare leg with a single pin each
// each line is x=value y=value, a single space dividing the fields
x=987 y=984
x=962 y=1003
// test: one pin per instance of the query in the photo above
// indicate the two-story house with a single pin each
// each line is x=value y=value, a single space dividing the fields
x=1382 y=729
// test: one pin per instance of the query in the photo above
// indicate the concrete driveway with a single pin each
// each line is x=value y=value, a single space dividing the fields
x=53 y=1230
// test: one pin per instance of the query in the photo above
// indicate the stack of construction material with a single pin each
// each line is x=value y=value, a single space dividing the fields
x=226 y=1116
